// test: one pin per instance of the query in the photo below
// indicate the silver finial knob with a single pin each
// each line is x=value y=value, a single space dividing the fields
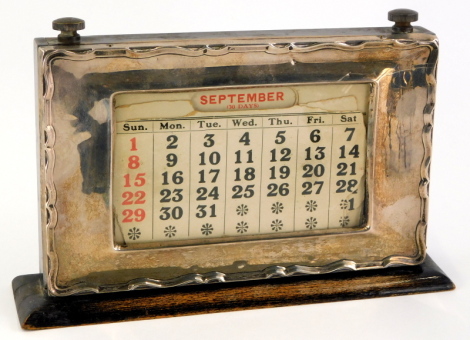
x=68 y=28
x=402 y=18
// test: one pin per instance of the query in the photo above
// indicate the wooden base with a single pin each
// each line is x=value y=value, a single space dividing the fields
x=37 y=310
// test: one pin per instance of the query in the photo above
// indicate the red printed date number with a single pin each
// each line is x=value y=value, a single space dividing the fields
x=130 y=215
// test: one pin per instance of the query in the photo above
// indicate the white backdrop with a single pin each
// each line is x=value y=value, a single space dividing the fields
x=428 y=316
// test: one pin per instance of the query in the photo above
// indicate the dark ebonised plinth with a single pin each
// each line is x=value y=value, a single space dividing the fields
x=37 y=310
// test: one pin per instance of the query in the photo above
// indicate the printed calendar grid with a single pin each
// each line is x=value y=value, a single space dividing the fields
x=211 y=190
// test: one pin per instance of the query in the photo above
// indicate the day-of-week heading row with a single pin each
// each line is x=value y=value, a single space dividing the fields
x=235 y=123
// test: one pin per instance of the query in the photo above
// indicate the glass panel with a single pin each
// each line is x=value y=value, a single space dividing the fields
x=275 y=161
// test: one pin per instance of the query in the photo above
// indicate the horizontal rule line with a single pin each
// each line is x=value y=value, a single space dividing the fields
x=259 y=115
x=235 y=128
x=247 y=120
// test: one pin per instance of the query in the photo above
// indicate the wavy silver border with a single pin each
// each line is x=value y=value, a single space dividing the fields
x=207 y=50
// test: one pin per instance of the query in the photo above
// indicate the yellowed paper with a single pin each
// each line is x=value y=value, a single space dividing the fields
x=209 y=175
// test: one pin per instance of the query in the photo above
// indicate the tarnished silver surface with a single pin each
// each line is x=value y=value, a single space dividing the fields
x=76 y=85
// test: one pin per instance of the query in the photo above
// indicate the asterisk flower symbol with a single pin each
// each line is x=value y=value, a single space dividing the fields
x=170 y=231
x=277 y=208
x=207 y=229
x=277 y=225
x=242 y=227
x=242 y=210
x=311 y=205
x=344 y=221
x=134 y=233
x=311 y=223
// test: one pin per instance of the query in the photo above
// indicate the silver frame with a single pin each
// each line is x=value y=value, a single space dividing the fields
x=78 y=251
